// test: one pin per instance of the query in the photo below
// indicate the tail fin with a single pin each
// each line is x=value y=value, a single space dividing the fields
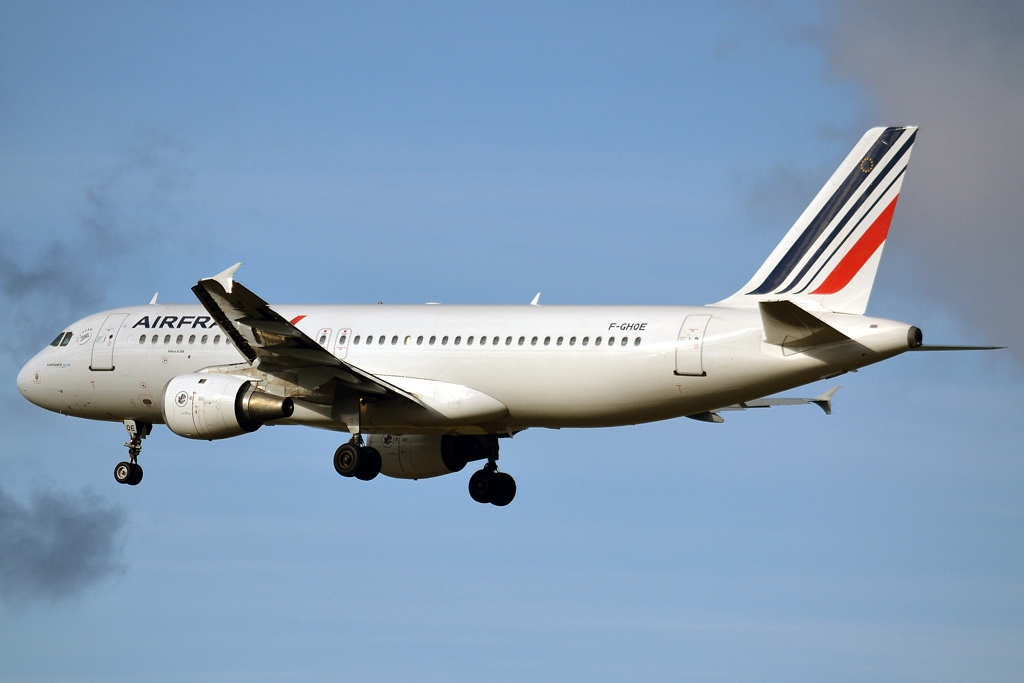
x=829 y=257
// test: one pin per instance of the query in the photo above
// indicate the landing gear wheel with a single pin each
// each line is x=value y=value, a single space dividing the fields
x=369 y=464
x=123 y=473
x=347 y=460
x=129 y=472
x=481 y=486
x=503 y=489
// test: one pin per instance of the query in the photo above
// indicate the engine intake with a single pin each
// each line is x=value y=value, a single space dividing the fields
x=211 y=406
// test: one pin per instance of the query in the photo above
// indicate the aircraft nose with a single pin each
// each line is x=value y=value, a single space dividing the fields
x=26 y=380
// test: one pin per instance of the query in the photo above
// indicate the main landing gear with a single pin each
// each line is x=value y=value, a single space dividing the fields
x=353 y=459
x=491 y=486
x=130 y=472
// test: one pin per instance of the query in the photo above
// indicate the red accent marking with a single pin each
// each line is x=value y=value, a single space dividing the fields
x=864 y=249
x=295 y=321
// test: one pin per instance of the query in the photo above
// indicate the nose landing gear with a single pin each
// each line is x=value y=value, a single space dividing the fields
x=130 y=472
x=488 y=485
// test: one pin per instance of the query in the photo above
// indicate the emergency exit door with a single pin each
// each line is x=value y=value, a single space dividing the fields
x=103 y=345
x=690 y=345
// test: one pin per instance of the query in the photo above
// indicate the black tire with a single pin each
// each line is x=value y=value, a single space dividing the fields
x=481 y=486
x=123 y=472
x=347 y=460
x=136 y=475
x=369 y=464
x=504 y=489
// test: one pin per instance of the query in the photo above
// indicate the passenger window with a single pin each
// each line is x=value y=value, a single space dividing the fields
x=457 y=340
x=142 y=339
x=419 y=340
x=192 y=339
x=572 y=341
x=469 y=342
x=521 y=340
x=585 y=340
x=58 y=340
x=533 y=342
x=342 y=340
x=380 y=340
x=356 y=340
x=227 y=341
x=408 y=340
x=559 y=342
x=432 y=339
x=178 y=340
x=167 y=339
x=611 y=341
x=394 y=340
x=203 y=340
x=597 y=342
x=156 y=337
x=547 y=341
x=636 y=342
x=508 y=341
x=322 y=340
x=624 y=340
x=444 y=340
x=494 y=342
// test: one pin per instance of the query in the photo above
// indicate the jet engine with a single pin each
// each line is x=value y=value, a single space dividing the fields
x=210 y=406
x=420 y=456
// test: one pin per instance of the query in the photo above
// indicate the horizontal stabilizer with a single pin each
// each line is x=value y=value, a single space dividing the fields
x=824 y=402
x=956 y=348
x=786 y=324
x=707 y=416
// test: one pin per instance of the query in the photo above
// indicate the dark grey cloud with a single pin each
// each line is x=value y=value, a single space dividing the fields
x=57 y=545
x=128 y=208
x=956 y=69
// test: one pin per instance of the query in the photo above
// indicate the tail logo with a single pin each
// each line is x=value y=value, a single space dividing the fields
x=846 y=211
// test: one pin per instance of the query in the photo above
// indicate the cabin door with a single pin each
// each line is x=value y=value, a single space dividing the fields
x=690 y=345
x=103 y=345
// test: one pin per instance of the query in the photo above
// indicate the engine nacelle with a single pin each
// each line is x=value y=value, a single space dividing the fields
x=212 y=406
x=419 y=456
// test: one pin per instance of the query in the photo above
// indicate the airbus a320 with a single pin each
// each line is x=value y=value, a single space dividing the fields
x=424 y=390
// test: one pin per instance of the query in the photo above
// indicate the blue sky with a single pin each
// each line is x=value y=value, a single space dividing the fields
x=470 y=153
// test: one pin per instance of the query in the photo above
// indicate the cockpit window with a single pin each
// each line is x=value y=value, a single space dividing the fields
x=56 y=341
x=67 y=338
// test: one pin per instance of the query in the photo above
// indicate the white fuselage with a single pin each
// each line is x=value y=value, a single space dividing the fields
x=552 y=379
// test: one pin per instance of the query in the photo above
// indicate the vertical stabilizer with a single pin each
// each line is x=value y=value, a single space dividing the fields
x=829 y=257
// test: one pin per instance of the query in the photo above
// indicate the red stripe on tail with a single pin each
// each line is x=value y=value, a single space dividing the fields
x=864 y=249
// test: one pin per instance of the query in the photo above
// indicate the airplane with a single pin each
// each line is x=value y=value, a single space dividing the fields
x=435 y=387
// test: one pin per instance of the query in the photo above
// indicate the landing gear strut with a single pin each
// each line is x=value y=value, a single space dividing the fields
x=353 y=459
x=130 y=472
x=488 y=485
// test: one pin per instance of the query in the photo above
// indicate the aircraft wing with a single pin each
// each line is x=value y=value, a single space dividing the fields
x=264 y=336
